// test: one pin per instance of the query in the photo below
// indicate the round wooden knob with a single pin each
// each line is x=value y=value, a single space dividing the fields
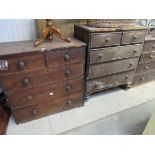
x=146 y=67
x=107 y=39
x=69 y=102
x=141 y=78
x=34 y=112
x=66 y=57
x=30 y=97
x=68 y=72
x=153 y=47
x=68 y=88
x=127 y=77
x=151 y=56
x=100 y=55
x=135 y=50
x=26 y=81
x=21 y=65
x=131 y=64
x=135 y=36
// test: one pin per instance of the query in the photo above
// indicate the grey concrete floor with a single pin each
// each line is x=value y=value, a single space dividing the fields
x=127 y=122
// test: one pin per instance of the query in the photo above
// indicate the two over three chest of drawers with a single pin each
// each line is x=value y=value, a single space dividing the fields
x=145 y=71
x=42 y=81
x=112 y=55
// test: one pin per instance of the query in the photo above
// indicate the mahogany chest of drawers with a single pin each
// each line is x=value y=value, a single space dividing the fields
x=146 y=68
x=112 y=55
x=44 y=80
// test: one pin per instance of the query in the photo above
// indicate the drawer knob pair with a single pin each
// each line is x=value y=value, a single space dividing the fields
x=68 y=88
x=66 y=57
x=69 y=102
x=21 y=65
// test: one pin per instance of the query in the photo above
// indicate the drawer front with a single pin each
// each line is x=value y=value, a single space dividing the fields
x=38 y=77
x=105 y=39
x=23 y=62
x=112 y=67
x=114 y=53
x=110 y=81
x=149 y=46
x=44 y=94
x=145 y=67
x=57 y=105
x=142 y=78
x=65 y=56
x=133 y=37
x=147 y=57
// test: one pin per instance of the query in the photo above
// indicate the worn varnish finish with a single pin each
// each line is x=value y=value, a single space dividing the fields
x=146 y=67
x=42 y=81
x=112 y=54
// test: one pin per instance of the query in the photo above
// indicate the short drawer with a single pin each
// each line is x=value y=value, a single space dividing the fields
x=130 y=37
x=147 y=57
x=114 y=53
x=111 y=67
x=105 y=39
x=149 y=46
x=110 y=81
x=40 y=110
x=61 y=57
x=143 y=78
x=43 y=94
x=17 y=63
x=29 y=79
x=145 y=67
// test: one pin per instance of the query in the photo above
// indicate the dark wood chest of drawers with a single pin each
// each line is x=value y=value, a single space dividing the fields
x=145 y=71
x=44 y=80
x=112 y=55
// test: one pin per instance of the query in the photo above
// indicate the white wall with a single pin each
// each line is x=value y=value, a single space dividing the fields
x=17 y=30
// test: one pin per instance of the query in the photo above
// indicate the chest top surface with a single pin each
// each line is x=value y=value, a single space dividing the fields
x=95 y=29
x=28 y=46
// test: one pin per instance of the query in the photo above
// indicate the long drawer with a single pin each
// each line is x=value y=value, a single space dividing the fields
x=17 y=63
x=110 y=81
x=40 y=110
x=145 y=67
x=142 y=78
x=28 y=79
x=112 y=67
x=44 y=94
x=105 y=39
x=130 y=37
x=147 y=57
x=114 y=53
x=149 y=46
x=55 y=58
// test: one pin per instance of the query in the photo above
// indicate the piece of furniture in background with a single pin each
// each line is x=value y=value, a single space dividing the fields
x=4 y=113
x=44 y=80
x=112 y=55
x=145 y=71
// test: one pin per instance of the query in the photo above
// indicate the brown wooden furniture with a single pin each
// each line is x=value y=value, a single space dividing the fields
x=145 y=71
x=48 y=32
x=44 y=80
x=112 y=55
